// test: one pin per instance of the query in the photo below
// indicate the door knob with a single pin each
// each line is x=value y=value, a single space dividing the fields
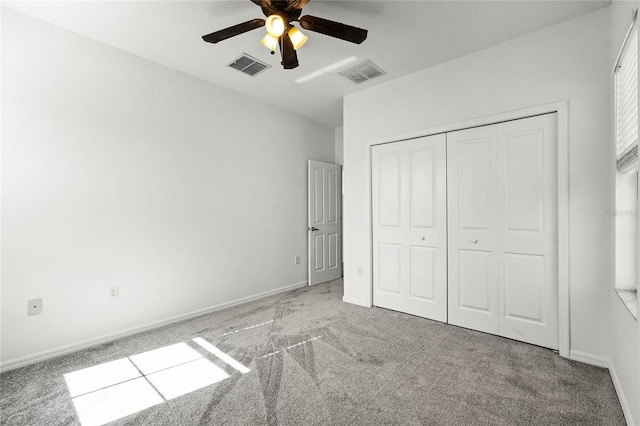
x=474 y=241
x=423 y=238
x=313 y=228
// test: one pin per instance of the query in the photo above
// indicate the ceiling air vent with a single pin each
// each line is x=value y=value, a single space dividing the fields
x=249 y=65
x=362 y=72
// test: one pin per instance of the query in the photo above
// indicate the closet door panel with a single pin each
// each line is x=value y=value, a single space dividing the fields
x=475 y=181
x=422 y=181
x=472 y=209
x=523 y=294
x=389 y=221
x=528 y=230
x=409 y=226
x=389 y=200
x=422 y=278
x=427 y=227
x=523 y=184
x=474 y=280
x=390 y=268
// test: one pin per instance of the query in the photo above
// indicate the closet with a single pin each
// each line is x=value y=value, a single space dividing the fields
x=465 y=228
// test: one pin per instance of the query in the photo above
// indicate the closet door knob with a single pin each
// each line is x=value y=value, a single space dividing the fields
x=423 y=238
x=474 y=241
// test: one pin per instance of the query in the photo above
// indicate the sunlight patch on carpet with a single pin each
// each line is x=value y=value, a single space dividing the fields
x=163 y=358
x=186 y=378
x=116 y=389
x=114 y=402
x=248 y=328
x=289 y=347
x=221 y=355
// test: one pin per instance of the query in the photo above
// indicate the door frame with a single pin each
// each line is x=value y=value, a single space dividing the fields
x=561 y=108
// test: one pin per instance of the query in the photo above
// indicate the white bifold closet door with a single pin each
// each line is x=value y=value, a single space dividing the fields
x=409 y=226
x=502 y=202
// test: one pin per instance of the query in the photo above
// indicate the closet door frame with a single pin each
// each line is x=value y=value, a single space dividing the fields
x=561 y=108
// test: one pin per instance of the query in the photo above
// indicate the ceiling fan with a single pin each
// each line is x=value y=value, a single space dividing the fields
x=280 y=30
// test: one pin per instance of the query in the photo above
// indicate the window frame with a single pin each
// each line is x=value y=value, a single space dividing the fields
x=627 y=129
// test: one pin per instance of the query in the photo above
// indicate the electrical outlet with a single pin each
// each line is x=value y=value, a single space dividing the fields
x=360 y=270
x=296 y=260
x=114 y=292
x=34 y=306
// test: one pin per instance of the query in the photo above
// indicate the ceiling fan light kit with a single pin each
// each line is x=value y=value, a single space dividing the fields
x=275 y=25
x=297 y=37
x=270 y=43
x=281 y=32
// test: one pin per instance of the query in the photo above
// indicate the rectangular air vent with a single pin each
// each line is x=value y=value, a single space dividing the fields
x=249 y=65
x=362 y=72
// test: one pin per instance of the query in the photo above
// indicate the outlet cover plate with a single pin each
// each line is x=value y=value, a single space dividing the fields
x=114 y=292
x=34 y=306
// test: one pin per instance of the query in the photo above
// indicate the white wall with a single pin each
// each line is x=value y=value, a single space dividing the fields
x=116 y=170
x=339 y=148
x=625 y=351
x=624 y=359
x=568 y=61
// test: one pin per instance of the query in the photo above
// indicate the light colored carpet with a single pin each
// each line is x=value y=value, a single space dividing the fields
x=315 y=360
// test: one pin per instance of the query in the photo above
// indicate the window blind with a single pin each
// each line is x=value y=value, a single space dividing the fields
x=626 y=81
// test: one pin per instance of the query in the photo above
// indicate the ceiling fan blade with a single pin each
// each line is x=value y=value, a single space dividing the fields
x=333 y=29
x=289 y=55
x=297 y=4
x=233 y=31
x=262 y=3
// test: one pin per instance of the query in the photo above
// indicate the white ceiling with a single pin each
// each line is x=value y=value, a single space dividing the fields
x=404 y=36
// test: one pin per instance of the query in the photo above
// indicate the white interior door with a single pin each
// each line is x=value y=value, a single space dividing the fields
x=409 y=227
x=324 y=222
x=473 y=230
x=528 y=232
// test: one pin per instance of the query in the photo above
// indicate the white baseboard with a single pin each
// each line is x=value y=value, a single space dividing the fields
x=587 y=358
x=626 y=409
x=83 y=344
x=600 y=361
x=355 y=301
